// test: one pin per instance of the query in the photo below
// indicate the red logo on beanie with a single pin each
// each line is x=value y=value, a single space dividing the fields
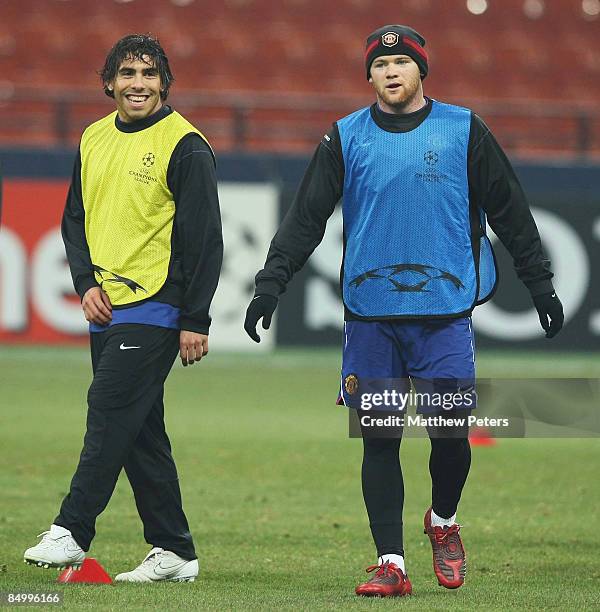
x=389 y=39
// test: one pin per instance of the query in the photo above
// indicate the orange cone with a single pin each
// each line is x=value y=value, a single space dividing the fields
x=91 y=572
x=480 y=436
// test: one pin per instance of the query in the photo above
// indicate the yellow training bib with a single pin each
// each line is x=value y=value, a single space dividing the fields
x=129 y=208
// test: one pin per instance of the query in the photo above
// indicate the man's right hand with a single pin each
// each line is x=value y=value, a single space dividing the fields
x=261 y=306
x=550 y=312
x=96 y=306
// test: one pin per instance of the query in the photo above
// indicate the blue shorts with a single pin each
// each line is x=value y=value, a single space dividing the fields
x=437 y=357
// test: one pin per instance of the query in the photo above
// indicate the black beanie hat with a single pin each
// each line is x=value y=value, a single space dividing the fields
x=396 y=40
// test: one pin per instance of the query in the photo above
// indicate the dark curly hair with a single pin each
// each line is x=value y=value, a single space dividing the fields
x=136 y=46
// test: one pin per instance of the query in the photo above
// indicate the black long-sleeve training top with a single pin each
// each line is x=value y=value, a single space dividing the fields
x=493 y=186
x=196 y=241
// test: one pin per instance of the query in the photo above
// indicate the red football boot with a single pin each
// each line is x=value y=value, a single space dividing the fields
x=449 y=559
x=388 y=581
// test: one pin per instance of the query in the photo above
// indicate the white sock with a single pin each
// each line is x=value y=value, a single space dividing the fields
x=396 y=559
x=438 y=521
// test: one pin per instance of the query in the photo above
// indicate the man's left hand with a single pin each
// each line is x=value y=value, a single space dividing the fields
x=550 y=311
x=192 y=347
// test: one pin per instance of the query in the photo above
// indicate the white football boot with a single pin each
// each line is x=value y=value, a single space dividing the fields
x=160 y=565
x=58 y=548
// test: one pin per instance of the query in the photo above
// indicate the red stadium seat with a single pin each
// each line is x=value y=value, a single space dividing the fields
x=305 y=47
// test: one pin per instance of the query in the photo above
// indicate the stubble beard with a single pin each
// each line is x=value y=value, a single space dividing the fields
x=400 y=104
x=411 y=91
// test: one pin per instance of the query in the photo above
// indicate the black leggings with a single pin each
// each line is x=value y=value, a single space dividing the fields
x=383 y=486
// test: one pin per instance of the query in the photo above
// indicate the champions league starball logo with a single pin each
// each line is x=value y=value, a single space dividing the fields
x=143 y=174
x=431 y=175
x=148 y=160
x=431 y=158
x=400 y=277
x=106 y=276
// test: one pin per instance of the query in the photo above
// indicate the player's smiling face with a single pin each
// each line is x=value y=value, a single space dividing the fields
x=397 y=82
x=137 y=89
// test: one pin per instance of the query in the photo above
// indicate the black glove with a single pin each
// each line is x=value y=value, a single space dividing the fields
x=548 y=306
x=261 y=306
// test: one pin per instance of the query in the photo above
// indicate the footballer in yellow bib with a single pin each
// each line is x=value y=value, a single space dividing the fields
x=129 y=208
x=143 y=238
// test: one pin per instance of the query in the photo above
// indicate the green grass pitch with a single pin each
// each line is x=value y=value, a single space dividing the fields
x=271 y=487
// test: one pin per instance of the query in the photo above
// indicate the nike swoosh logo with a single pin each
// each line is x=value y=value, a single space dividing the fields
x=165 y=570
x=70 y=551
x=126 y=348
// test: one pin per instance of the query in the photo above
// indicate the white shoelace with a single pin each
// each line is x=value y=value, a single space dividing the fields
x=44 y=535
x=152 y=559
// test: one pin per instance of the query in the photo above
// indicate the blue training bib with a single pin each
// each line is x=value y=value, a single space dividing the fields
x=409 y=243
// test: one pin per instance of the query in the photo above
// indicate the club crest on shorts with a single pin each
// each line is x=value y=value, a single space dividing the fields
x=389 y=39
x=351 y=384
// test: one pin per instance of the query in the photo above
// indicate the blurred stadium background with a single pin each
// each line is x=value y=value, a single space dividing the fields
x=264 y=79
